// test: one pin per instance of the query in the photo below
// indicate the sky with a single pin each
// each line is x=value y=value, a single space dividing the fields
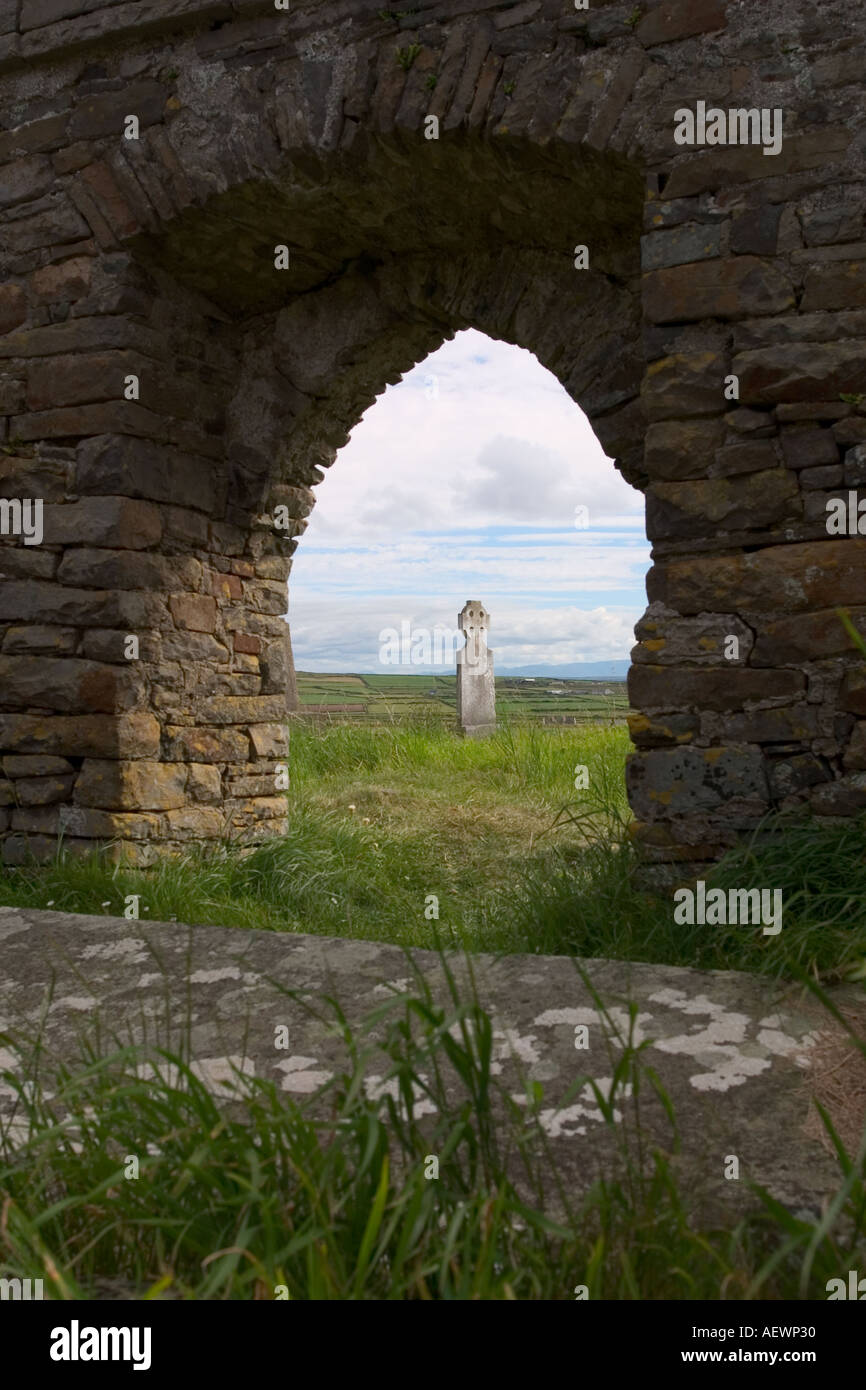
x=465 y=481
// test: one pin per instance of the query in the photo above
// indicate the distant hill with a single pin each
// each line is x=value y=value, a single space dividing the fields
x=574 y=670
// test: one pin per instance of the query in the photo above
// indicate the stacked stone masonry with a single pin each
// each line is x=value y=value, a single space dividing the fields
x=153 y=259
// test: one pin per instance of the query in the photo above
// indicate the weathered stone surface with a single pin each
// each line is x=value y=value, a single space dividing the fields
x=724 y=289
x=838 y=286
x=269 y=740
x=64 y=684
x=657 y=687
x=134 y=734
x=204 y=783
x=232 y=981
x=202 y=745
x=679 y=246
x=684 y=384
x=679 y=448
x=807 y=637
x=681 y=781
x=119 y=569
x=780 y=579
x=42 y=791
x=40 y=638
x=104 y=521
x=696 y=508
x=812 y=372
x=680 y=19
x=243 y=709
x=140 y=468
x=24 y=765
x=129 y=786
x=853 y=693
x=664 y=638
x=13 y=307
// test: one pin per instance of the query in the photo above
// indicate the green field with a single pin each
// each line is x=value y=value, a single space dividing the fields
x=377 y=698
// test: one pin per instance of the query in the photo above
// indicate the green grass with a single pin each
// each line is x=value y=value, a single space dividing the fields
x=330 y=1199
x=382 y=817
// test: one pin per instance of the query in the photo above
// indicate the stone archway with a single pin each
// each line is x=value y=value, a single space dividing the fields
x=167 y=387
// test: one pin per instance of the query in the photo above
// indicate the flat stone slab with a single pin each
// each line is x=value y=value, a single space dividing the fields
x=734 y=1052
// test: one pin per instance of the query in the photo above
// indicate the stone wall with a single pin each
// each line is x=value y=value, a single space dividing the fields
x=154 y=258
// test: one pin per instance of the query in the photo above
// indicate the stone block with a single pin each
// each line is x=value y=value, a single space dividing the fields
x=121 y=569
x=43 y=603
x=204 y=783
x=806 y=637
x=64 y=281
x=852 y=695
x=787 y=724
x=788 y=776
x=677 y=449
x=32 y=765
x=665 y=782
x=667 y=639
x=242 y=709
x=54 y=641
x=140 y=785
x=800 y=371
x=748 y=456
x=774 y=581
x=756 y=232
x=730 y=688
x=43 y=791
x=855 y=754
x=844 y=797
x=840 y=285
x=269 y=740
x=110 y=645
x=124 y=465
x=68 y=684
x=690 y=383
x=196 y=612
x=701 y=508
x=103 y=522
x=196 y=823
x=91 y=823
x=202 y=745
x=274 y=664
x=680 y=19
x=740 y=287
x=133 y=734
x=186 y=646
x=663 y=730
x=13 y=308
x=809 y=448
x=679 y=246
x=102 y=114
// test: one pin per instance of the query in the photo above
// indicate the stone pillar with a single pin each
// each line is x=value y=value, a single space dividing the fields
x=144 y=651
x=476 y=690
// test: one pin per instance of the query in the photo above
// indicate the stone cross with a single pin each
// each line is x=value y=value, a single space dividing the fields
x=476 y=693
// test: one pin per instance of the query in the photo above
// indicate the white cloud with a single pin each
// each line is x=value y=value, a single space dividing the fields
x=471 y=494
